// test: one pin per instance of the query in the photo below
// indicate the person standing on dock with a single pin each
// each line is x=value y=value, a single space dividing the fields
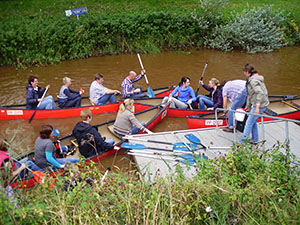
x=99 y=94
x=257 y=102
x=67 y=97
x=186 y=95
x=88 y=138
x=35 y=93
x=128 y=90
x=234 y=91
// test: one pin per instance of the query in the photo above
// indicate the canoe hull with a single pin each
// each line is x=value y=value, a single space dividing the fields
x=156 y=119
x=208 y=120
x=19 y=111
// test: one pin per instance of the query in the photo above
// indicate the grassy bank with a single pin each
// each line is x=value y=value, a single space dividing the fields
x=37 y=32
x=245 y=188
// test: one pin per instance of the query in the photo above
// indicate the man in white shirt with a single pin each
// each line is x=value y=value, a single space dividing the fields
x=101 y=95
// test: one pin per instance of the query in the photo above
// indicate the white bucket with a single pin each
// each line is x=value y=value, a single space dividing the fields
x=239 y=116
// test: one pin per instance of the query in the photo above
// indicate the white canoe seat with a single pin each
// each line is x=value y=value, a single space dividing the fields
x=111 y=129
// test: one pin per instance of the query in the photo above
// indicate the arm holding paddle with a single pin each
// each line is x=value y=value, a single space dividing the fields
x=40 y=101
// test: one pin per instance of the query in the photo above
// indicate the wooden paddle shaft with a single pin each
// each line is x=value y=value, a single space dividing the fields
x=43 y=96
x=138 y=55
x=291 y=105
x=204 y=70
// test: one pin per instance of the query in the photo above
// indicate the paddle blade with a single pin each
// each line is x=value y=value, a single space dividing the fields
x=180 y=146
x=33 y=114
x=192 y=158
x=150 y=92
x=133 y=146
x=192 y=138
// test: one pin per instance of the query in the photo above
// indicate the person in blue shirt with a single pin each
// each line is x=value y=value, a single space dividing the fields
x=35 y=93
x=45 y=151
x=186 y=95
x=67 y=97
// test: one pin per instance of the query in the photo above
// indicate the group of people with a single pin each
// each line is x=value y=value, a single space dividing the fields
x=251 y=93
x=90 y=143
x=68 y=97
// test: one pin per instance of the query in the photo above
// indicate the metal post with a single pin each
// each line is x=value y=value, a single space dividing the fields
x=262 y=128
x=234 y=127
x=216 y=116
x=287 y=139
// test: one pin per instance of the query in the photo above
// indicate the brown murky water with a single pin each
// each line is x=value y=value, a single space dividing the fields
x=280 y=69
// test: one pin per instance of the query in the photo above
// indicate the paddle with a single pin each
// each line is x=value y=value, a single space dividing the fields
x=192 y=138
x=154 y=141
x=291 y=105
x=33 y=114
x=201 y=78
x=191 y=159
x=149 y=90
x=176 y=147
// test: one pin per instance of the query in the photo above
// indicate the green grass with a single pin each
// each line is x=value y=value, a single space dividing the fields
x=247 y=187
x=20 y=8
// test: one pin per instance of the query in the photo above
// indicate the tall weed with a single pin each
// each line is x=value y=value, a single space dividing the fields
x=246 y=187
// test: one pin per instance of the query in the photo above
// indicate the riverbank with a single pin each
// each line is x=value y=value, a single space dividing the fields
x=246 y=188
x=37 y=32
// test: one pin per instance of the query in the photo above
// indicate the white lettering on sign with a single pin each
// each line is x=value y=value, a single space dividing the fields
x=14 y=112
x=213 y=122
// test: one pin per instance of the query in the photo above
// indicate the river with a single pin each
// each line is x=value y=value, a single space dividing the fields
x=280 y=69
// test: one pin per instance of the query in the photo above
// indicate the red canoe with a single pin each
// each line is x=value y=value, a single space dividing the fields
x=19 y=111
x=174 y=112
x=151 y=116
x=289 y=109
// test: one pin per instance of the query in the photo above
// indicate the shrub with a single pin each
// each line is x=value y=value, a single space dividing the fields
x=249 y=186
x=254 y=30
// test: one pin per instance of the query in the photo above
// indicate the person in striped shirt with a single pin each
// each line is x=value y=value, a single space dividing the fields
x=128 y=90
x=235 y=92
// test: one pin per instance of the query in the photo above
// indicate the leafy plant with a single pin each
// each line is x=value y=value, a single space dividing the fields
x=254 y=30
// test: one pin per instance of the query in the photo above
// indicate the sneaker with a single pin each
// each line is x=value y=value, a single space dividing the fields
x=227 y=129
x=162 y=106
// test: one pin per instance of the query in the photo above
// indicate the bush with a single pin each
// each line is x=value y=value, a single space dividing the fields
x=246 y=187
x=254 y=30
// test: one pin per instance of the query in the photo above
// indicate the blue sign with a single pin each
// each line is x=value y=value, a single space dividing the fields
x=76 y=12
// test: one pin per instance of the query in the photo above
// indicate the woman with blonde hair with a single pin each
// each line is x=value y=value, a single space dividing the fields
x=214 y=99
x=67 y=97
x=126 y=123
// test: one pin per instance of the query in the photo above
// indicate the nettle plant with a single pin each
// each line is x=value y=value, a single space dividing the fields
x=254 y=30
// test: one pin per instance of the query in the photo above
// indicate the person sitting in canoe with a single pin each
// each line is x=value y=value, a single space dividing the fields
x=88 y=138
x=45 y=151
x=35 y=93
x=186 y=95
x=234 y=91
x=214 y=99
x=67 y=97
x=7 y=172
x=16 y=165
x=99 y=94
x=126 y=123
x=128 y=90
